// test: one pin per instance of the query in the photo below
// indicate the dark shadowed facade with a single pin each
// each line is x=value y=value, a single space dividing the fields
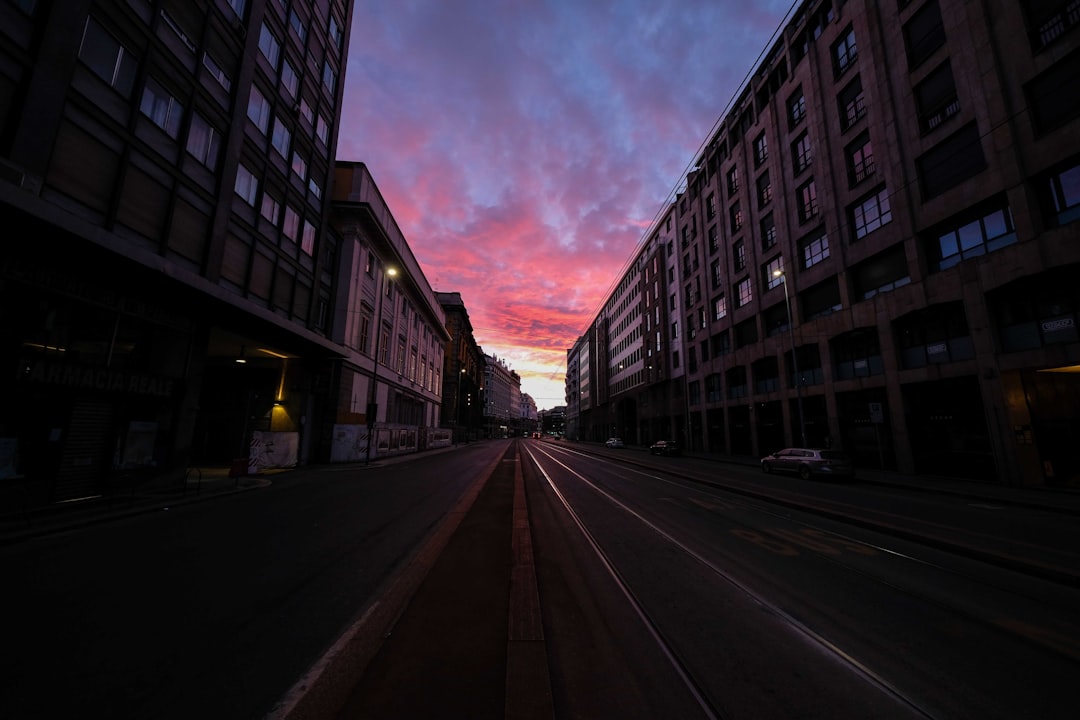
x=905 y=177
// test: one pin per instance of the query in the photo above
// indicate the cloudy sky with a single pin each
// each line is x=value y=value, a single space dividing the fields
x=525 y=146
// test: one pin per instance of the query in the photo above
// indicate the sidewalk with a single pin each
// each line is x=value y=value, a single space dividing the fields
x=19 y=523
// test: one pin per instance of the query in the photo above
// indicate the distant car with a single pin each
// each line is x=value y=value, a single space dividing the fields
x=614 y=443
x=809 y=462
x=665 y=447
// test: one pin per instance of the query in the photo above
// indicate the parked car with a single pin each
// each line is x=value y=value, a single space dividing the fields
x=614 y=443
x=809 y=462
x=664 y=447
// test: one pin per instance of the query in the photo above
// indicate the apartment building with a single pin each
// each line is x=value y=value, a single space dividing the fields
x=386 y=392
x=879 y=248
x=501 y=397
x=625 y=375
x=463 y=371
x=170 y=283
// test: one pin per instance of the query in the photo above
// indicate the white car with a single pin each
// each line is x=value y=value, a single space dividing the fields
x=614 y=443
x=809 y=462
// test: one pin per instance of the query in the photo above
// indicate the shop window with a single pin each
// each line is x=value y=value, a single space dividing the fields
x=937 y=334
x=857 y=354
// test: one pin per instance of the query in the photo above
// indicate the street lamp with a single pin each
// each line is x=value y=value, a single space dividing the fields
x=372 y=408
x=794 y=359
x=462 y=419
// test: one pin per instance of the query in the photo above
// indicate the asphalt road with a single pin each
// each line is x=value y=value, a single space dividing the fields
x=750 y=608
x=213 y=610
x=667 y=587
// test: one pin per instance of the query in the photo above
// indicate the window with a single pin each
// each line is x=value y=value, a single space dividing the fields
x=247 y=185
x=923 y=33
x=270 y=209
x=109 y=60
x=299 y=165
x=216 y=72
x=738 y=256
x=801 y=154
x=306 y=111
x=329 y=78
x=335 y=32
x=365 y=332
x=733 y=180
x=714 y=239
x=173 y=25
x=764 y=190
x=852 y=104
x=259 y=110
x=736 y=218
x=870 y=214
x=314 y=188
x=808 y=201
x=307 y=243
x=814 y=248
x=719 y=307
x=950 y=162
x=162 y=108
x=1052 y=106
x=713 y=391
x=281 y=138
x=743 y=293
x=291 y=227
x=860 y=160
x=937 y=334
x=289 y=79
x=974 y=237
x=844 y=52
x=768 y=232
x=761 y=150
x=936 y=98
x=1049 y=20
x=857 y=354
x=796 y=106
x=710 y=206
x=881 y=273
x=297 y=26
x=1064 y=190
x=716 y=273
x=203 y=141
x=772 y=272
x=269 y=46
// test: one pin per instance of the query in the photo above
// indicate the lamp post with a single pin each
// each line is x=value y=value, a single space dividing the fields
x=461 y=418
x=794 y=359
x=372 y=408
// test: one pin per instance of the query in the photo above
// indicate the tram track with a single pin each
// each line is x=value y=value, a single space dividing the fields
x=694 y=685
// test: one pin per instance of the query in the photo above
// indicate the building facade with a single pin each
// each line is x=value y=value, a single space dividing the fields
x=463 y=371
x=877 y=244
x=391 y=327
x=205 y=285
x=501 y=398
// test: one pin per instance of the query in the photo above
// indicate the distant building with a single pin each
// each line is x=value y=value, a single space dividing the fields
x=463 y=371
x=502 y=392
x=912 y=196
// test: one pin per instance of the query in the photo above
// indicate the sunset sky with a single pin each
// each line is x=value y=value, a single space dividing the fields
x=526 y=146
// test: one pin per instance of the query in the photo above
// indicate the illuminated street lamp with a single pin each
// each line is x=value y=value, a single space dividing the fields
x=372 y=408
x=794 y=360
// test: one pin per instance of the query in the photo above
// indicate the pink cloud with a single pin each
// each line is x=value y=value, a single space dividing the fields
x=525 y=148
